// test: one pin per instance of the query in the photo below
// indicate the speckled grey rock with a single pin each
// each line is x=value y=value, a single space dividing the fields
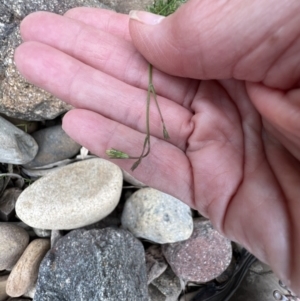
x=18 y=98
x=74 y=196
x=16 y=147
x=201 y=258
x=98 y=264
x=168 y=284
x=157 y=216
x=25 y=272
x=155 y=262
x=13 y=241
x=54 y=145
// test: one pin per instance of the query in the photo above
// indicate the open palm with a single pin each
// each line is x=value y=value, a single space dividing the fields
x=234 y=147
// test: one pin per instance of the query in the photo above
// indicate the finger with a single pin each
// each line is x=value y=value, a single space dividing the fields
x=86 y=87
x=103 y=51
x=102 y=19
x=281 y=111
x=287 y=171
x=160 y=169
x=222 y=39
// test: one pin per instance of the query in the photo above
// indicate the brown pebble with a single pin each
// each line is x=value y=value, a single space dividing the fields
x=25 y=272
x=202 y=257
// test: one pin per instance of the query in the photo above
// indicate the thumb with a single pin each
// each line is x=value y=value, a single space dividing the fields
x=217 y=39
x=180 y=43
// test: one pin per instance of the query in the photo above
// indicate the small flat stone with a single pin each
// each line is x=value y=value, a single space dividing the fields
x=42 y=232
x=13 y=241
x=168 y=284
x=7 y=203
x=132 y=180
x=54 y=145
x=25 y=272
x=3 y=294
x=157 y=216
x=155 y=262
x=56 y=235
x=155 y=294
x=201 y=258
x=74 y=196
x=16 y=147
x=98 y=264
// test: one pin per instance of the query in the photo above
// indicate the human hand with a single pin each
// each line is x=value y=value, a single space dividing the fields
x=232 y=115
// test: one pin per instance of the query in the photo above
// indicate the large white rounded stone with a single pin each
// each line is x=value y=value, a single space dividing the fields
x=74 y=196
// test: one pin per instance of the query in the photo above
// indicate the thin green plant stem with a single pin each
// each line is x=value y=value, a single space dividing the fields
x=164 y=8
x=165 y=132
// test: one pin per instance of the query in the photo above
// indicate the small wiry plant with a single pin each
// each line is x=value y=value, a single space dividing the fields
x=164 y=8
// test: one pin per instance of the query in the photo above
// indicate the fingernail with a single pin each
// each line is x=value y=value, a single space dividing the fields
x=145 y=17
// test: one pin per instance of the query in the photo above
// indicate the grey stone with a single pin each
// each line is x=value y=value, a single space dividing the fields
x=168 y=284
x=56 y=235
x=157 y=216
x=7 y=203
x=202 y=257
x=42 y=232
x=54 y=145
x=132 y=180
x=3 y=294
x=16 y=147
x=155 y=262
x=13 y=241
x=18 y=98
x=98 y=264
x=155 y=294
x=24 y=274
x=74 y=196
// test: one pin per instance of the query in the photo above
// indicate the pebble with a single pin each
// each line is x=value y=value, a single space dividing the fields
x=74 y=196
x=169 y=285
x=16 y=147
x=3 y=294
x=56 y=235
x=98 y=264
x=25 y=272
x=7 y=203
x=157 y=216
x=13 y=241
x=42 y=232
x=155 y=294
x=155 y=262
x=132 y=180
x=201 y=258
x=54 y=145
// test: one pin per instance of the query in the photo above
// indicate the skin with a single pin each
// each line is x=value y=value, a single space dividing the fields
x=227 y=77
